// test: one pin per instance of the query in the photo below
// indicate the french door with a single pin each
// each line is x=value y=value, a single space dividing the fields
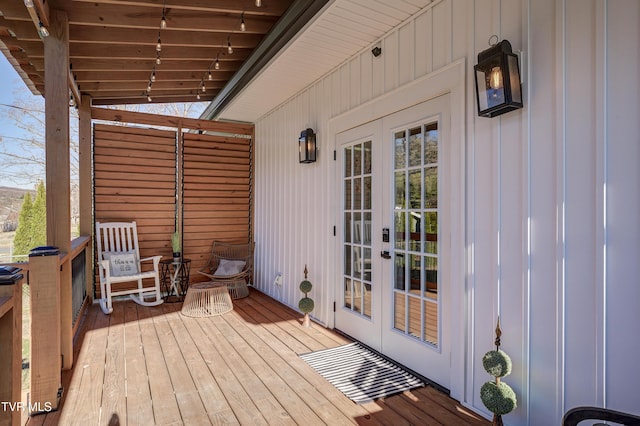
x=393 y=290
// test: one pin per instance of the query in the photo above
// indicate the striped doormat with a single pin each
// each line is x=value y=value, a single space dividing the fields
x=359 y=373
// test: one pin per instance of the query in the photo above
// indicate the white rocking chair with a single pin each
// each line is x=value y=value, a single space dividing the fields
x=119 y=262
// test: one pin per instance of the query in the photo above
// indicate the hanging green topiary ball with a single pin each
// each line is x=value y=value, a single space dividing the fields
x=497 y=363
x=305 y=286
x=306 y=305
x=499 y=398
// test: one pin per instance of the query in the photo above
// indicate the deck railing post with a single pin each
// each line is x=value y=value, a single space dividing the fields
x=11 y=353
x=46 y=359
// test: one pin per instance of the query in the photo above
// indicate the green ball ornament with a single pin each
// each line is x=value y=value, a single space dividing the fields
x=499 y=398
x=305 y=286
x=497 y=363
x=306 y=305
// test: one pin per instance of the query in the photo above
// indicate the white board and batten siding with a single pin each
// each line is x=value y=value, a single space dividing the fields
x=552 y=200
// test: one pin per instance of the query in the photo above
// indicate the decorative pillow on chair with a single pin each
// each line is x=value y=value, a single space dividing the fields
x=229 y=267
x=122 y=264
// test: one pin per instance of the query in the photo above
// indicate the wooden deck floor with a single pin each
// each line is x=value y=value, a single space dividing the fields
x=146 y=366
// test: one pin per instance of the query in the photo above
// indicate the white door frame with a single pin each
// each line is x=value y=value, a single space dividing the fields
x=449 y=79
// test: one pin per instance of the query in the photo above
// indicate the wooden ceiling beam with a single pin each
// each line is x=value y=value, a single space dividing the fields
x=178 y=122
x=142 y=36
x=272 y=8
x=133 y=100
x=116 y=16
x=83 y=77
x=24 y=30
x=168 y=53
x=101 y=64
x=183 y=85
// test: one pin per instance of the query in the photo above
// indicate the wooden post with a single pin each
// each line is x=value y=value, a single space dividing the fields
x=44 y=281
x=56 y=63
x=86 y=183
x=11 y=353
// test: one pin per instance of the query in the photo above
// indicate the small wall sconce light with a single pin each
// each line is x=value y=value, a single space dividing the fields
x=377 y=51
x=498 y=88
x=307 y=146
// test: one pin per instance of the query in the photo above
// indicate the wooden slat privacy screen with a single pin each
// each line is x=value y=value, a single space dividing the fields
x=136 y=178
x=217 y=194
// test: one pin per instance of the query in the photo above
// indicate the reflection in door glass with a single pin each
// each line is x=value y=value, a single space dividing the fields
x=416 y=182
x=357 y=208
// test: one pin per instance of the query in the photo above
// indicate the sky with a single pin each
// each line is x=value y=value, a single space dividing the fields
x=10 y=86
x=13 y=92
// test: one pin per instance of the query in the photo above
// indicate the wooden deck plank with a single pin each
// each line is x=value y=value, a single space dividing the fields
x=189 y=400
x=242 y=367
x=260 y=363
x=257 y=346
x=139 y=405
x=219 y=411
x=267 y=404
x=165 y=405
x=84 y=398
x=113 y=394
x=242 y=404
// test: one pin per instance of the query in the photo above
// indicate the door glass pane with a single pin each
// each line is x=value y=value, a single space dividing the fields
x=357 y=160
x=347 y=162
x=366 y=302
x=416 y=251
x=399 y=307
x=415 y=186
x=415 y=147
x=431 y=188
x=347 y=193
x=357 y=208
x=367 y=193
x=367 y=157
x=347 y=293
x=399 y=271
x=400 y=193
x=415 y=317
x=400 y=150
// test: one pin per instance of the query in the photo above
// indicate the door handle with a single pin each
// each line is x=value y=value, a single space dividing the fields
x=385 y=254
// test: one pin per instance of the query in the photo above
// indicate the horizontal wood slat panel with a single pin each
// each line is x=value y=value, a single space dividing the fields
x=217 y=194
x=135 y=180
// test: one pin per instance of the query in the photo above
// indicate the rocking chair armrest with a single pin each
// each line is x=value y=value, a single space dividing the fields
x=106 y=266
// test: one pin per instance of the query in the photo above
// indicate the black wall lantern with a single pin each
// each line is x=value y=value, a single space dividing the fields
x=498 y=87
x=307 y=146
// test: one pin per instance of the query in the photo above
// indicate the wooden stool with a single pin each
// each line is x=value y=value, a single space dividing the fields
x=207 y=299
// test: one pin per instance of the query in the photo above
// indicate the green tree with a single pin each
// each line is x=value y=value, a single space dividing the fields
x=32 y=223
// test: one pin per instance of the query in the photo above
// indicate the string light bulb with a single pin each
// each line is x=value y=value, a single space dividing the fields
x=149 y=87
x=217 y=65
x=159 y=45
x=198 y=96
x=229 y=48
x=204 y=88
x=44 y=32
x=158 y=61
x=163 y=21
x=28 y=3
x=153 y=75
x=243 y=26
x=148 y=97
x=210 y=76
x=258 y=3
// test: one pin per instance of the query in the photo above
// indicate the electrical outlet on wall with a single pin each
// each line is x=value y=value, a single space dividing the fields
x=278 y=280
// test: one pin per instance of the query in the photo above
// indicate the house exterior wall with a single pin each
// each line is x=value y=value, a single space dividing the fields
x=552 y=200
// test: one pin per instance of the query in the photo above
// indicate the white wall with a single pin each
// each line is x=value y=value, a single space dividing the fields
x=552 y=193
